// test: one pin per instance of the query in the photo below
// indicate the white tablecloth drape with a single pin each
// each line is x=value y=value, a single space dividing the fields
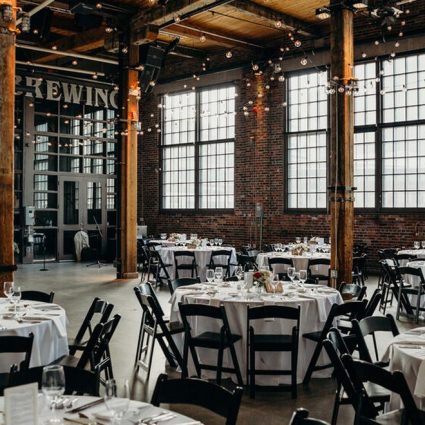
x=314 y=311
x=202 y=256
x=50 y=337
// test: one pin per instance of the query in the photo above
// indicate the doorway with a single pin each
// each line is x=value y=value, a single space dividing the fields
x=82 y=206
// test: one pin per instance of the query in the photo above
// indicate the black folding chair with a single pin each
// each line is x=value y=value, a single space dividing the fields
x=221 y=258
x=77 y=381
x=300 y=417
x=183 y=281
x=362 y=372
x=280 y=265
x=349 y=310
x=314 y=265
x=405 y=289
x=39 y=296
x=100 y=309
x=209 y=339
x=222 y=401
x=272 y=343
x=352 y=291
x=185 y=261
x=154 y=327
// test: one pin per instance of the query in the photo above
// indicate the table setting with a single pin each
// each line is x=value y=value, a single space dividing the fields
x=46 y=321
x=406 y=353
x=315 y=301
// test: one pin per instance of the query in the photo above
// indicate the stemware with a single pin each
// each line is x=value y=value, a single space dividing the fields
x=297 y=278
x=290 y=271
x=210 y=275
x=8 y=289
x=239 y=272
x=298 y=239
x=163 y=236
x=416 y=244
x=303 y=276
x=118 y=406
x=275 y=282
x=423 y=244
x=53 y=386
x=15 y=298
x=218 y=274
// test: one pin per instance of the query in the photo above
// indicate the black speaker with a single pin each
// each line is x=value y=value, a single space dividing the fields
x=151 y=55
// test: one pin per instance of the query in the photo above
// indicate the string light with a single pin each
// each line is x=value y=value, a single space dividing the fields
x=229 y=54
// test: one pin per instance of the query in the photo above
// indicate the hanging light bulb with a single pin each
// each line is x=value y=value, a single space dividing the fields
x=278 y=24
x=202 y=38
x=304 y=61
x=297 y=43
x=255 y=67
x=229 y=54
x=281 y=78
x=177 y=19
x=26 y=22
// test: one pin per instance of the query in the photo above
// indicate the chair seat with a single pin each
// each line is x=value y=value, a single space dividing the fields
x=314 y=336
x=77 y=345
x=68 y=360
x=175 y=327
x=272 y=342
x=212 y=340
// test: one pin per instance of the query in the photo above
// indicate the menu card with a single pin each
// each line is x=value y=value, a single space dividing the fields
x=20 y=405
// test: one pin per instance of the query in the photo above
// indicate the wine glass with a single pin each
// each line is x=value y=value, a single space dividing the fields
x=8 y=289
x=423 y=244
x=220 y=241
x=53 y=386
x=303 y=276
x=218 y=274
x=239 y=272
x=118 y=406
x=298 y=240
x=290 y=271
x=274 y=282
x=297 y=278
x=210 y=275
x=416 y=244
x=15 y=298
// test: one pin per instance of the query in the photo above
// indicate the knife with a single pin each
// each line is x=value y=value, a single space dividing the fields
x=86 y=406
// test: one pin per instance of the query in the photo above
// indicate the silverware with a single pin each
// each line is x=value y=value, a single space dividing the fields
x=86 y=406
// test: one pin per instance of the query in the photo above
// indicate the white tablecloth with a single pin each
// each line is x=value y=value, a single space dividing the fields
x=407 y=354
x=50 y=337
x=419 y=253
x=314 y=311
x=202 y=256
x=300 y=261
x=137 y=410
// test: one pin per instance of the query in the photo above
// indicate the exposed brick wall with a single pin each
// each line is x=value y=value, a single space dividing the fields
x=259 y=178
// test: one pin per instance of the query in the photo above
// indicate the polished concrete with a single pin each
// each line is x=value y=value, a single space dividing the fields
x=75 y=285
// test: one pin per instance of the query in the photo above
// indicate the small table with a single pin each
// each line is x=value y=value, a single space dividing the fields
x=314 y=311
x=137 y=410
x=407 y=354
x=48 y=324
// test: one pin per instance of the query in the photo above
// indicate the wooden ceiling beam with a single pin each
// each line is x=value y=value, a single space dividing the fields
x=82 y=42
x=164 y=16
x=185 y=30
x=272 y=16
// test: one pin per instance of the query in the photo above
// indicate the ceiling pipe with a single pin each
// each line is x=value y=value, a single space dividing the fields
x=69 y=54
x=61 y=68
x=36 y=9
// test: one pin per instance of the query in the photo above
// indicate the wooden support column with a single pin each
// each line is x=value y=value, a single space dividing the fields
x=341 y=147
x=7 y=113
x=129 y=116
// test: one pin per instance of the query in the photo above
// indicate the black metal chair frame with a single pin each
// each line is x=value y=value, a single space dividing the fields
x=280 y=261
x=154 y=327
x=211 y=340
x=157 y=266
x=183 y=281
x=351 y=310
x=225 y=266
x=192 y=266
x=39 y=296
x=318 y=262
x=416 y=290
x=198 y=392
x=272 y=343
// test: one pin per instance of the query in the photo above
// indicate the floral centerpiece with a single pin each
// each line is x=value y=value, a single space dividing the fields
x=263 y=279
x=300 y=249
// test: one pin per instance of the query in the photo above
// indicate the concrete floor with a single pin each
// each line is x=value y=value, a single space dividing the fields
x=75 y=286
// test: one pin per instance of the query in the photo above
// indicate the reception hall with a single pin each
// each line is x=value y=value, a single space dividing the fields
x=212 y=212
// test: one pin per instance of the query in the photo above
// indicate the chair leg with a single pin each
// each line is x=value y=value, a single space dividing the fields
x=195 y=361
x=336 y=405
x=313 y=362
x=236 y=364
x=174 y=351
x=219 y=364
x=294 y=366
x=251 y=375
x=185 y=371
x=139 y=344
x=166 y=351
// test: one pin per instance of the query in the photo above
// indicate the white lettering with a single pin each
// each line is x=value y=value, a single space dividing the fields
x=53 y=92
x=103 y=95
x=89 y=96
x=72 y=93
x=113 y=99
x=36 y=83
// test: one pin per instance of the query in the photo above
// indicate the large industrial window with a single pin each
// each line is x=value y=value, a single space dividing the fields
x=198 y=130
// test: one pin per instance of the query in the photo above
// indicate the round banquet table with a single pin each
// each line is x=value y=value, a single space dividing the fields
x=407 y=354
x=48 y=324
x=418 y=253
x=315 y=308
x=138 y=410
x=300 y=261
x=202 y=256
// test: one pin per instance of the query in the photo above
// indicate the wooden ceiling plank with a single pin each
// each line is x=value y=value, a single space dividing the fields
x=82 y=42
x=165 y=15
x=274 y=16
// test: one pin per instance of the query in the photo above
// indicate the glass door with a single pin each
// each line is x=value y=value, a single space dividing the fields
x=82 y=206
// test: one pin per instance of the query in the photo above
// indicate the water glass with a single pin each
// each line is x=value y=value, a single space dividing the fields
x=8 y=289
x=118 y=406
x=290 y=271
x=218 y=274
x=163 y=236
x=416 y=244
x=239 y=272
x=298 y=240
x=274 y=283
x=193 y=236
x=16 y=297
x=210 y=275
x=423 y=244
x=303 y=276
x=53 y=386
